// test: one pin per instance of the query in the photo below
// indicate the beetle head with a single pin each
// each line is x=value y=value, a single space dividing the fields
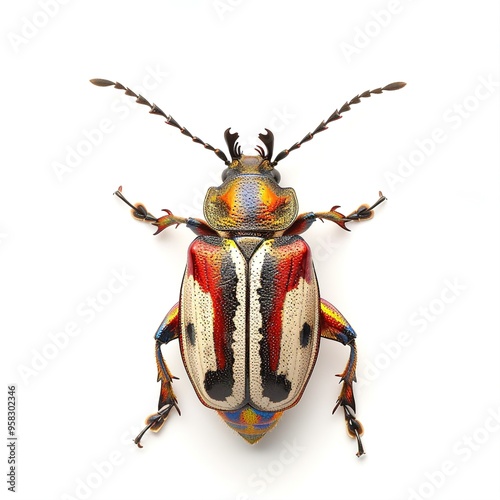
x=250 y=198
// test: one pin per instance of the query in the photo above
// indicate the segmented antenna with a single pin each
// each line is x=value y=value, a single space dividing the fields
x=335 y=116
x=155 y=110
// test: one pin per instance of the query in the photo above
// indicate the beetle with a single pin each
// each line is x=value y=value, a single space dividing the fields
x=249 y=317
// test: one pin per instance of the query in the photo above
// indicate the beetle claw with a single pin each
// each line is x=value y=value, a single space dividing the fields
x=365 y=212
x=139 y=211
x=354 y=426
x=361 y=450
x=138 y=438
x=156 y=421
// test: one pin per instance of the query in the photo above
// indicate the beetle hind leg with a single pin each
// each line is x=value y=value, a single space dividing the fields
x=335 y=327
x=346 y=398
x=167 y=331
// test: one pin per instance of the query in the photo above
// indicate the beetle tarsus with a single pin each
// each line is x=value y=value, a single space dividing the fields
x=138 y=438
x=156 y=421
x=354 y=427
x=139 y=211
x=364 y=212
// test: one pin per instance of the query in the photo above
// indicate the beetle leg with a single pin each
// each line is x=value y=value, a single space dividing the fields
x=140 y=212
x=301 y=224
x=168 y=331
x=364 y=212
x=335 y=327
x=304 y=221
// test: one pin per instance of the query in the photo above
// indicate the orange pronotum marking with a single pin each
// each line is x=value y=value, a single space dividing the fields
x=271 y=200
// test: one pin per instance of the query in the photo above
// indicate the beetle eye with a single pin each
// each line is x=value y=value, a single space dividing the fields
x=276 y=175
x=225 y=173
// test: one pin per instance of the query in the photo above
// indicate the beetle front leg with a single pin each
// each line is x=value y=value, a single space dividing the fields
x=335 y=327
x=168 y=331
x=140 y=213
x=304 y=221
x=364 y=212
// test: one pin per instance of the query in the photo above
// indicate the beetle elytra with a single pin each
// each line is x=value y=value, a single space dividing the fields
x=249 y=317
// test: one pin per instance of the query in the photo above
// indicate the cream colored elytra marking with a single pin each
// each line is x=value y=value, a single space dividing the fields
x=255 y=325
x=198 y=308
x=200 y=358
x=301 y=306
x=239 y=333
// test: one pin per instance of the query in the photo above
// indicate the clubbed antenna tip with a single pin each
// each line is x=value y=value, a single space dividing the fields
x=394 y=86
x=100 y=82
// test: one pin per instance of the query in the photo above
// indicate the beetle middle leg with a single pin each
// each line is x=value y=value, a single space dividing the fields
x=168 y=331
x=335 y=327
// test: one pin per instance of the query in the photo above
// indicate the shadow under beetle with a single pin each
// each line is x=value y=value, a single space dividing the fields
x=249 y=317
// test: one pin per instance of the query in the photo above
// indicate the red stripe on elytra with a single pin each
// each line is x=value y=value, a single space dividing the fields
x=293 y=263
x=204 y=264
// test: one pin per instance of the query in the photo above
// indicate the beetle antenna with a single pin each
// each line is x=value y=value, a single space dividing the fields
x=335 y=116
x=155 y=110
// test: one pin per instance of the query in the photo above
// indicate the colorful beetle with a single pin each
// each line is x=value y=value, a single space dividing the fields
x=250 y=317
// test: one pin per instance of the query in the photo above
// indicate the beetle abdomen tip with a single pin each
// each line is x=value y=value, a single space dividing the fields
x=251 y=424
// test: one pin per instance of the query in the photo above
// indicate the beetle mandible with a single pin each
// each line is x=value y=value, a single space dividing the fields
x=249 y=317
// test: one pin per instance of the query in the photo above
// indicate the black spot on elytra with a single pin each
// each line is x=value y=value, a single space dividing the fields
x=276 y=387
x=191 y=333
x=305 y=335
x=219 y=384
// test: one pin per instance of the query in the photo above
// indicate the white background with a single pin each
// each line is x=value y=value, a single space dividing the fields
x=419 y=283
